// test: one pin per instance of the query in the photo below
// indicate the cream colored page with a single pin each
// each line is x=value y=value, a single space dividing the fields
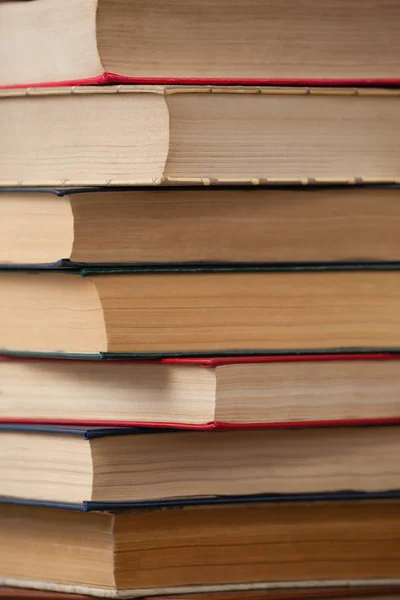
x=245 y=462
x=92 y=390
x=89 y=138
x=35 y=228
x=48 y=40
x=287 y=136
x=257 y=39
x=45 y=467
x=244 y=225
x=308 y=391
x=65 y=316
x=250 y=311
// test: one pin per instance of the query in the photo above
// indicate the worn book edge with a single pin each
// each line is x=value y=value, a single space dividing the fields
x=94 y=269
x=116 y=78
x=196 y=501
x=191 y=589
x=20 y=423
x=213 y=358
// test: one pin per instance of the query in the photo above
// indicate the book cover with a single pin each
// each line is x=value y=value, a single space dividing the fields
x=107 y=78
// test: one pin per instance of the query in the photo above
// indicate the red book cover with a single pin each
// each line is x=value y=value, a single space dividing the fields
x=116 y=79
x=213 y=362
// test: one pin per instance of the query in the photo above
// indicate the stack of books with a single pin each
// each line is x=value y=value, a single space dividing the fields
x=199 y=299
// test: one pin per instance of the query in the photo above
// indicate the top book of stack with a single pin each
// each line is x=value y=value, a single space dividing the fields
x=190 y=41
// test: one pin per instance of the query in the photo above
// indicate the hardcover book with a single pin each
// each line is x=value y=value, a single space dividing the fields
x=105 y=466
x=150 y=135
x=227 y=393
x=254 y=310
x=191 y=41
x=197 y=225
x=292 y=547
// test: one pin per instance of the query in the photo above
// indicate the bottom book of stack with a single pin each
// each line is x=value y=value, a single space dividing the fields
x=193 y=548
